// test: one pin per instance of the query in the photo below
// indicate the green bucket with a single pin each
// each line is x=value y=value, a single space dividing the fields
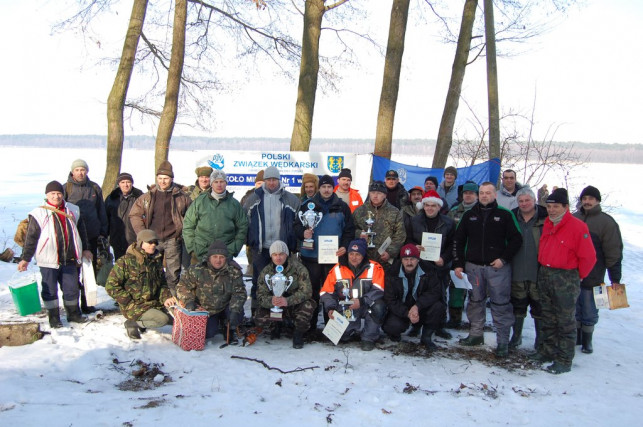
x=26 y=298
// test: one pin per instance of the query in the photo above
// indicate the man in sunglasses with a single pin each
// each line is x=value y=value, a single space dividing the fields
x=138 y=284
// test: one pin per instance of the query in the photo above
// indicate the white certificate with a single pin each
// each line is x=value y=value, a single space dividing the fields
x=335 y=327
x=384 y=246
x=432 y=243
x=461 y=283
x=327 y=249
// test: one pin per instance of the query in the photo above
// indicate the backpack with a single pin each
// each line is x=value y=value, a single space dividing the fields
x=21 y=232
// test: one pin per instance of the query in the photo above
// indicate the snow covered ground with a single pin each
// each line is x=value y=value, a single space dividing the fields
x=75 y=375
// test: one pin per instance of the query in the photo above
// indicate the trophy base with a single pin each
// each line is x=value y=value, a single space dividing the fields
x=308 y=245
x=276 y=316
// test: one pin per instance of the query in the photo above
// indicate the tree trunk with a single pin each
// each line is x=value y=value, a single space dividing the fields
x=492 y=81
x=445 y=133
x=391 y=79
x=308 y=71
x=14 y=334
x=170 y=108
x=118 y=94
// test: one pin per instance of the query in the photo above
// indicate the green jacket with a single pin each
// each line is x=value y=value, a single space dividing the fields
x=301 y=289
x=212 y=289
x=388 y=223
x=208 y=219
x=137 y=282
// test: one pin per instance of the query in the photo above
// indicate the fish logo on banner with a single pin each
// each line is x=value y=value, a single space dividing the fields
x=335 y=163
x=217 y=162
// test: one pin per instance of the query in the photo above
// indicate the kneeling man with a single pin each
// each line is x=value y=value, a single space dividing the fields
x=412 y=297
x=296 y=301
x=360 y=281
x=137 y=283
x=216 y=287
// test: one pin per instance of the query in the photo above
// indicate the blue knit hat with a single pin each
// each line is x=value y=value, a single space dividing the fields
x=357 y=245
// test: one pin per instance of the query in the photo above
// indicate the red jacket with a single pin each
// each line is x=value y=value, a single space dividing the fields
x=567 y=245
x=355 y=200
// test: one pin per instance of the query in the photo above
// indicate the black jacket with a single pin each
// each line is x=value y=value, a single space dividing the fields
x=445 y=227
x=117 y=206
x=429 y=290
x=481 y=237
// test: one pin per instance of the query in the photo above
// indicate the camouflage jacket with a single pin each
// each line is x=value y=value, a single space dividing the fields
x=212 y=289
x=137 y=282
x=301 y=289
x=388 y=223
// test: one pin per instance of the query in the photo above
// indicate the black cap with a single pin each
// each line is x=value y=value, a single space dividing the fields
x=433 y=179
x=54 y=186
x=345 y=173
x=559 y=195
x=392 y=174
x=218 y=248
x=326 y=179
x=591 y=191
x=378 y=186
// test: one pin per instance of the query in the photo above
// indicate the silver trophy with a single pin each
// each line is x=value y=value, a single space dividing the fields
x=278 y=284
x=347 y=310
x=370 y=234
x=310 y=219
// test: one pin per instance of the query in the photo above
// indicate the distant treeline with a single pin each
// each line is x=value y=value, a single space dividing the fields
x=594 y=152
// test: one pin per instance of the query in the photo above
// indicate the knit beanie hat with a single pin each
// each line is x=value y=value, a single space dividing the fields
x=165 y=169
x=124 y=176
x=345 y=173
x=145 y=236
x=452 y=170
x=470 y=186
x=378 y=186
x=278 y=247
x=433 y=179
x=271 y=172
x=591 y=191
x=559 y=195
x=432 y=197
x=326 y=179
x=357 y=245
x=54 y=186
x=218 y=174
x=203 y=171
x=79 y=163
x=409 y=250
x=218 y=248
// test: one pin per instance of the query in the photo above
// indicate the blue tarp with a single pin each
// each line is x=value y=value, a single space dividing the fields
x=410 y=176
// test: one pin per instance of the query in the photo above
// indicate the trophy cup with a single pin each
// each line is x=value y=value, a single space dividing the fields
x=370 y=234
x=346 y=304
x=310 y=219
x=278 y=284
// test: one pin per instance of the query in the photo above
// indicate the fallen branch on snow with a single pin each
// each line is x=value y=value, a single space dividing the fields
x=265 y=365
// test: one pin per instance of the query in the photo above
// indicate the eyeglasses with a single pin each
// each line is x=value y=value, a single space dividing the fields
x=153 y=242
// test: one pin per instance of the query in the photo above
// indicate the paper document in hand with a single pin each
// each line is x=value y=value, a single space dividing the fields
x=335 y=327
x=461 y=283
x=432 y=243
x=89 y=282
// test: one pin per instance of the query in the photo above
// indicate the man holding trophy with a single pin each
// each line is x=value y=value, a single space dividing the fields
x=381 y=224
x=327 y=221
x=354 y=288
x=284 y=295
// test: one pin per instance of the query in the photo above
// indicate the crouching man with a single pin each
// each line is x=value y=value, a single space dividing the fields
x=412 y=297
x=296 y=301
x=137 y=283
x=360 y=281
x=216 y=287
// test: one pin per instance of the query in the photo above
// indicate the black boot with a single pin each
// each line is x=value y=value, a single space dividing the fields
x=73 y=314
x=516 y=338
x=443 y=333
x=426 y=340
x=579 y=336
x=455 y=318
x=132 y=329
x=587 y=343
x=415 y=330
x=538 y=342
x=275 y=333
x=83 y=303
x=54 y=318
x=298 y=340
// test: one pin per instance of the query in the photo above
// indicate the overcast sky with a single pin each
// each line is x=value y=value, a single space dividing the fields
x=583 y=73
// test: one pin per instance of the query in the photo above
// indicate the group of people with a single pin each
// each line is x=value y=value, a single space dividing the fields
x=176 y=245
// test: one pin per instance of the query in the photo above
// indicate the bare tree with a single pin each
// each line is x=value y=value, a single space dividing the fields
x=492 y=81
x=118 y=94
x=391 y=79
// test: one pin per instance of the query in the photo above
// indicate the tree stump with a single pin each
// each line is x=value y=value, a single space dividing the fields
x=14 y=334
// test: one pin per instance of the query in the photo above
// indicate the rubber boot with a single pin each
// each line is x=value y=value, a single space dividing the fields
x=426 y=340
x=74 y=315
x=587 y=332
x=415 y=330
x=455 y=318
x=502 y=350
x=443 y=333
x=516 y=338
x=298 y=340
x=83 y=303
x=579 y=334
x=132 y=329
x=538 y=342
x=470 y=341
x=275 y=333
x=54 y=318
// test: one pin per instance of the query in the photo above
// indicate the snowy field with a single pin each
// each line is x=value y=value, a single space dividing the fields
x=82 y=375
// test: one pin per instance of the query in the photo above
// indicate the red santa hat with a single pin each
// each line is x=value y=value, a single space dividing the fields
x=432 y=196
